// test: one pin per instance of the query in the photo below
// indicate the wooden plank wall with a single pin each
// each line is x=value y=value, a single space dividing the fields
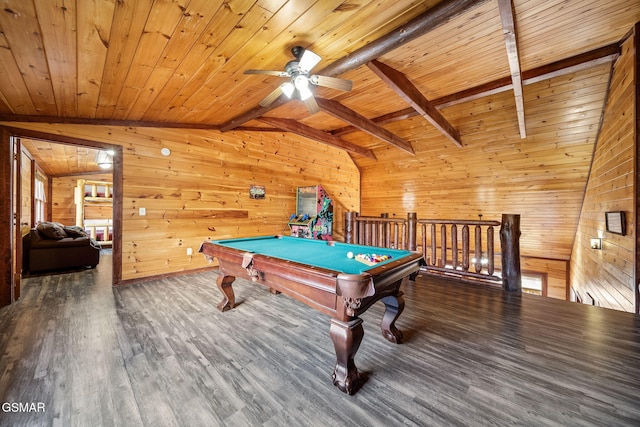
x=556 y=271
x=607 y=275
x=62 y=197
x=201 y=191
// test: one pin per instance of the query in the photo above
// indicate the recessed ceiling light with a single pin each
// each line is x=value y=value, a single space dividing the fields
x=165 y=151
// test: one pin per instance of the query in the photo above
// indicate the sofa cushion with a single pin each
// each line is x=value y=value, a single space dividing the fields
x=60 y=243
x=51 y=230
x=74 y=231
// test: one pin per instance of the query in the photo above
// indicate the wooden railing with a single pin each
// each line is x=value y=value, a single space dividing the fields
x=381 y=231
x=446 y=246
x=463 y=249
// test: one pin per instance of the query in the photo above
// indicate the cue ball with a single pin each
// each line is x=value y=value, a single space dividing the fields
x=349 y=255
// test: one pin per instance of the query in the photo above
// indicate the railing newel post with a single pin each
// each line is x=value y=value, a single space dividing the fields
x=510 y=249
x=412 y=222
x=349 y=225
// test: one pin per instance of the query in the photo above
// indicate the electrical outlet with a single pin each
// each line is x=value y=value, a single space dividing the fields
x=142 y=211
x=189 y=251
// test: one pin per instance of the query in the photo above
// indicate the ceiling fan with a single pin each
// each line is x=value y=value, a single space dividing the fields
x=300 y=82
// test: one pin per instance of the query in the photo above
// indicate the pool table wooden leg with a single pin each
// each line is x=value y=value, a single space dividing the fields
x=229 y=299
x=346 y=337
x=394 y=305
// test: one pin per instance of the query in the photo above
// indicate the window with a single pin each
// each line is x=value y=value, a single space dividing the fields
x=40 y=199
x=534 y=283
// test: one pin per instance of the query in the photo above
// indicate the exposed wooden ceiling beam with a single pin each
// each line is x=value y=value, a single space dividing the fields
x=410 y=93
x=436 y=16
x=511 y=40
x=102 y=122
x=301 y=129
x=574 y=64
x=346 y=114
x=254 y=113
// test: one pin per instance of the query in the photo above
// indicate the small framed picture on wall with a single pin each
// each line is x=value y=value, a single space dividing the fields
x=616 y=222
x=257 y=192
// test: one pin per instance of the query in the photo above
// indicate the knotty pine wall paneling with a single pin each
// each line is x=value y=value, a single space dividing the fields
x=556 y=270
x=606 y=275
x=201 y=191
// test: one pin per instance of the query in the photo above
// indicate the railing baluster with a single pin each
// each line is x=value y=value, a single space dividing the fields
x=403 y=236
x=443 y=245
x=434 y=255
x=367 y=233
x=387 y=234
x=490 y=263
x=465 y=248
x=478 y=263
x=454 y=246
x=395 y=235
x=423 y=230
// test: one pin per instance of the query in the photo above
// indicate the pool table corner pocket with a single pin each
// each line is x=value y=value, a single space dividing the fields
x=353 y=288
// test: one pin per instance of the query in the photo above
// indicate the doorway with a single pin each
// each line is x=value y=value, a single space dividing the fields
x=21 y=191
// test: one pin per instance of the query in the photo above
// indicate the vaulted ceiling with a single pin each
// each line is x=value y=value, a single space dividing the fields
x=181 y=63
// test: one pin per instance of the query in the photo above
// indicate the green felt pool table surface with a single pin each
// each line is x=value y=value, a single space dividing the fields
x=318 y=253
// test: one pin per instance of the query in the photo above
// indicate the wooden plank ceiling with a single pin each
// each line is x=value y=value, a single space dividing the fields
x=181 y=63
x=58 y=160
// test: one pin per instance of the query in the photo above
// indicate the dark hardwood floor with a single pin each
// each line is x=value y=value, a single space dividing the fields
x=160 y=354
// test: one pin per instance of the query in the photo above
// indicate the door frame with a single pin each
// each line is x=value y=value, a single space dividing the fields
x=9 y=241
x=7 y=227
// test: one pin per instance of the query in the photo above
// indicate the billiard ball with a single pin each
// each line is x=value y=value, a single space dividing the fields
x=349 y=255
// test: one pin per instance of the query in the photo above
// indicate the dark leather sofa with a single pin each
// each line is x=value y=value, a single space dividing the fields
x=52 y=246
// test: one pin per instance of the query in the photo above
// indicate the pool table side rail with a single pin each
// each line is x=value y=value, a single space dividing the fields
x=315 y=287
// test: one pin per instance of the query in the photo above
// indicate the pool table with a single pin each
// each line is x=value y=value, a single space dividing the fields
x=321 y=274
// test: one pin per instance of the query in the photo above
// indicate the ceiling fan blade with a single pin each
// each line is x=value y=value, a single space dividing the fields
x=332 y=82
x=268 y=72
x=268 y=100
x=308 y=61
x=311 y=104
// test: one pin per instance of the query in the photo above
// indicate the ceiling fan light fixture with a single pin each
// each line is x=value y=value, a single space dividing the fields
x=301 y=83
x=305 y=93
x=104 y=159
x=288 y=88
